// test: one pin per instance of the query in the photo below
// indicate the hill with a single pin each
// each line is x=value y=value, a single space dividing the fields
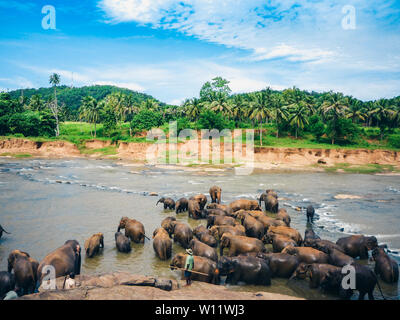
x=72 y=97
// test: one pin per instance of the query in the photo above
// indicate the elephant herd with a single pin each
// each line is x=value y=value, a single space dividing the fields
x=254 y=246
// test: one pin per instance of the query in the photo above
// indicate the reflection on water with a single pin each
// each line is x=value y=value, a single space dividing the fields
x=46 y=202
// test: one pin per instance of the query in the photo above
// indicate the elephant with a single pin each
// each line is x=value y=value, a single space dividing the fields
x=240 y=244
x=386 y=267
x=288 y=232
x=122 y=242
x=215 y=194
x=236 y=230
x=203 y=250
x=181 y=232
x=216 y=212
x=248 y=269
x=162 y=244
x=253 y=227
x=254 y=213
x=181 y=205
x=219 y=221
x=244 y=204
x=272 y=193
x=338 y=258
x=194 y=210
x=284 y=216
x=310 y=211
x=281 y=264
x=205 y=236
x=65 y=260
x=201 y=264
x=134 y=229
x=322 y=245
x=25 y=271
x=271 y=203
x=365 y=282
x=279 y=242
x=168 y=203
x=310 y=234
x=317 y=272
x=7 y=283
x=93 y=245
x=2 y=230
x=167 y=221
x=267 y=222
x=357 y=245
x=228 y=210
x=201 y=199
x=307 y=255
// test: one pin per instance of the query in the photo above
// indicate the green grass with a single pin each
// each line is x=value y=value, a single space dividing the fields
x=106 y=151
x=16 y=155
x=362 y=169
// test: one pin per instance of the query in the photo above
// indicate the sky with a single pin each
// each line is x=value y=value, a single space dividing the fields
x=169 y=48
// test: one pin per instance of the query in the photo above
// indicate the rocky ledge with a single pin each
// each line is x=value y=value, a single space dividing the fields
x=125 y=286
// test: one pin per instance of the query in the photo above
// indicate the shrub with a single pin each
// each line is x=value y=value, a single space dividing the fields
x=27 y=123
x=210 y=120
x=146 y=120
x=394 y=140
x=316 y=127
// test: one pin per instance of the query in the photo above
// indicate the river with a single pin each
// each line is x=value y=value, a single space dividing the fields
x=43 y=203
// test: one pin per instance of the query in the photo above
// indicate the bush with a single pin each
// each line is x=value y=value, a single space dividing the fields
x=394 y=140
x=316 y=127
x=146 y=120
x=27 y=123
x=210 y=120
x=344 y=131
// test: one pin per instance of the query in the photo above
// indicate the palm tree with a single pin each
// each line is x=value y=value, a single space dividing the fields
x=355 y=111
x=299 y=116
x=279 y=113
x=382 y=115
x=259 y=108
x=335 y=107
x=220 y=104
x=193 y=108
x=36 y=103
x=91 y=110
x=54 y=80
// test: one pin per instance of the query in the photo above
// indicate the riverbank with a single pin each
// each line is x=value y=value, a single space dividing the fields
x=264 y=158
x=125 y=286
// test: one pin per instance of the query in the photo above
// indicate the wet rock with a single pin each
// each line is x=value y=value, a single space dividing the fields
x=153 y=194
x=321 y=161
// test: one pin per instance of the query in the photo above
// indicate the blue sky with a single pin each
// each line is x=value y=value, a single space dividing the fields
x=169 y=48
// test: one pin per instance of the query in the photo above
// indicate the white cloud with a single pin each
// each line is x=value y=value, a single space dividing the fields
x=127 y=85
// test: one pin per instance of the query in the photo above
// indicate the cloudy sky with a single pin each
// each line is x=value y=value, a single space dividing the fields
x=169 y=48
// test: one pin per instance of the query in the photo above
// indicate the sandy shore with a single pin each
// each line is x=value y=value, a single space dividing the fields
x=125 y=286
x=136 y=154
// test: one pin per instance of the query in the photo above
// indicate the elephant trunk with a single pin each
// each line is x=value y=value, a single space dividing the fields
x=77 y=267
x=9 y=267
x=221 y=250
x=2 y=229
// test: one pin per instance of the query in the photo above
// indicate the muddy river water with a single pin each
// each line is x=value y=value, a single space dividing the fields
x=43 y=203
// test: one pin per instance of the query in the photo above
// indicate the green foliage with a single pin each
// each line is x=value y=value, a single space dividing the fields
x=217 y=87
x=343 y=131
x=110 y=119
x=146 y=120
x=316 y=127
x=394 y=140
x=211 y=120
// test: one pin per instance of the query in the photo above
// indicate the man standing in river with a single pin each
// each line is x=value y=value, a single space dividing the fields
x=189 y=264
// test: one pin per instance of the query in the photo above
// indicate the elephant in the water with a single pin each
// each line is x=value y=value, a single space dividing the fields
x=338 y=258
x=168 y=203
x=278 y=241
x=122 y=242
x=181 y=205
x=365 y=282
x=201 y=199
x=322 y=245
x=201 y=264
x=219 y=221
x=228 y=210
x=194 y=210
x=2 y=230
x=271 y=203
x=219 y=231
x=205 y=236
x=7 y=283
x=317 y=272
x=310 y=213
x=307 y=255
x=65 y=260
x=93 y=244
x=25 y=271
x=244 y=204
x=254 y=228
x=162 y=244
x=357 y=245
x=203 y=250
x=386 y=267
x=248 y=269
x=310 y=235
x=288 y=232
x=284 y=216
x=181 y=232
x=215 y=194
x=134 y=229
x=281 y=264
x=240 y=245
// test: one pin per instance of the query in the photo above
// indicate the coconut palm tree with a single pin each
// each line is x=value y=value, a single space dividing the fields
x=299 y=116
x=279 y=112
x=259 y=108
x=382 y=114
x=334 y=108
x=36 y=103
x=91 y=111
x=54 y=80
x=220 y=104
x=193 y=108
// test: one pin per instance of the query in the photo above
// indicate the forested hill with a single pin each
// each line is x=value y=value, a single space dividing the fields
x=72 y=97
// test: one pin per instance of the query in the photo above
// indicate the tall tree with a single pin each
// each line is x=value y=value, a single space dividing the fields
x=333 y=108
x=54 y=80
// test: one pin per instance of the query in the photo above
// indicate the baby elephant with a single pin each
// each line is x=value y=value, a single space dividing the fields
x=310 y=213
x=93 y=244
x=123 y=243
x=162 y=244
x=181 y=205
x=168 y=203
